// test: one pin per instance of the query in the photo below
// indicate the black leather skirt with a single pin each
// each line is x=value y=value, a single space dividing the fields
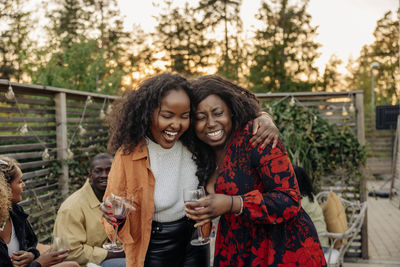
x=170 y=246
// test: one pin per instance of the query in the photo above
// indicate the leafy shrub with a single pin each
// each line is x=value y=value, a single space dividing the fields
x=322 y=149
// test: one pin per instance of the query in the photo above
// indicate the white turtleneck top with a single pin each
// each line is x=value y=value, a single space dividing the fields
x=173 y=169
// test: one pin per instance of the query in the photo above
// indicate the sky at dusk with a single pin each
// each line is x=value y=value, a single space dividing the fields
x=344 y=25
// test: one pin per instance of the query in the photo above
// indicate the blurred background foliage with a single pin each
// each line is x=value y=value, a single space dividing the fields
x=84 y=46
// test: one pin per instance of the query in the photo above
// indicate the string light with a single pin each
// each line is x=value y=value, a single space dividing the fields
x=24 y=129
x=102 y=114
x=70 y=154
x=292 y=102
x=10 y=93
x=344 y=111
x=45 y=154
x=89 y=100
x=82 y=131
x=109 y=109
x=351 y=108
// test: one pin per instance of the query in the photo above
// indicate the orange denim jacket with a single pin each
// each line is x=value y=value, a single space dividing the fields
x=130 y=174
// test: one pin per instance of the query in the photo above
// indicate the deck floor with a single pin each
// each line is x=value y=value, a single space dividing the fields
x=383 y=230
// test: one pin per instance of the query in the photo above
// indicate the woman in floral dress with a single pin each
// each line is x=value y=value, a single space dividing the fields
x=254 y=190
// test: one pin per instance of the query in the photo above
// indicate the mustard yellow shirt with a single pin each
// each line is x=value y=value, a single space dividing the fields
x=78 y=219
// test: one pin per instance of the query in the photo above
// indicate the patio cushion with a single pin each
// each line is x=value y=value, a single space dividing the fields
x=335 y=216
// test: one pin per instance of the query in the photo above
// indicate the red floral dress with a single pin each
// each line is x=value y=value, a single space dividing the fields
x=273 y=229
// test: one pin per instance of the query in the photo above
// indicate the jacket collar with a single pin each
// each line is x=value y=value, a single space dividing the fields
x=18 y=211
x=91 y=196
x=140 y=151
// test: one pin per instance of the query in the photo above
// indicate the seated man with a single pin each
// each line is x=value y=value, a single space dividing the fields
x=78 y=219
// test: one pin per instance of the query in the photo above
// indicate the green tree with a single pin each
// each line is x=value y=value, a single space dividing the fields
x=89 y=50
x=141 y=56
x=285 y=50
x=15 y=42
x=227 y=14
x=67 y=22
x=182 y=36
x=79 y=67
x=385 y=51
x=332 y=78
x=359 y=73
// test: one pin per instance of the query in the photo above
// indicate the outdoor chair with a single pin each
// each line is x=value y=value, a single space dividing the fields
x=355 y=213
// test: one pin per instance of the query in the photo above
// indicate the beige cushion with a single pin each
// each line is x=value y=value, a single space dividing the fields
x=335 y=216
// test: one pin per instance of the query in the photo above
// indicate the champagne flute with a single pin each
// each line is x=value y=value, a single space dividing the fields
x=60 y=243
x=203 y=232
x=121 y=208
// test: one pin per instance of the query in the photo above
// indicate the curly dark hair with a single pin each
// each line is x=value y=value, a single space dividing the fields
x=131 y=118
x=305 y=183
x=242 y=104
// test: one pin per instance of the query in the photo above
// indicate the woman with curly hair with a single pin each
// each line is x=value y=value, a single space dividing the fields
x=154 y=162
x=17 y=239
x=253 y=190
x=5 y=204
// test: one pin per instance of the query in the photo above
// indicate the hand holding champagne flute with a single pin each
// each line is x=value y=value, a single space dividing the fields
x=190 y=195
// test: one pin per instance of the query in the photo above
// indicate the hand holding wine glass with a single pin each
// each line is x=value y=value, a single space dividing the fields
x=203 y=231
x=115 y=209
x=59 y=243
x=57 y=253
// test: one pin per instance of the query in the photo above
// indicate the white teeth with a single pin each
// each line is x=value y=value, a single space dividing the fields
x=171 y=133
x=215 y=133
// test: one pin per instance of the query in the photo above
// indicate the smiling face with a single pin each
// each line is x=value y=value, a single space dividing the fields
x=17 y=187
x=171 y=119
x=98 y=174
x=213 y=121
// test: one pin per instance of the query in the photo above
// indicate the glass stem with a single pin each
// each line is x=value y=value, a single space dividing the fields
x=114 y=241
x=199 y=233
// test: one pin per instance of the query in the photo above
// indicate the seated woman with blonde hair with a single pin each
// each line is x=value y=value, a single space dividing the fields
x=17 y=240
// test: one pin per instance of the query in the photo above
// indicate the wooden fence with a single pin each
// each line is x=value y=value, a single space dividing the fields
x=342 y=109
x=40 y=126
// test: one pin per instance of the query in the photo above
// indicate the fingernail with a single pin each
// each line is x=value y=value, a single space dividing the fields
x=115 y=225
x=110 y=213
x=114 y=220
x=109 y=206
x=252 y=145
x=261 y=147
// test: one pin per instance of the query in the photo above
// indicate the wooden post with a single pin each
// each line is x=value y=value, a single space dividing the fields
x=396 y=162
x=360 y=118
x=363 y=183
x=62 y=141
